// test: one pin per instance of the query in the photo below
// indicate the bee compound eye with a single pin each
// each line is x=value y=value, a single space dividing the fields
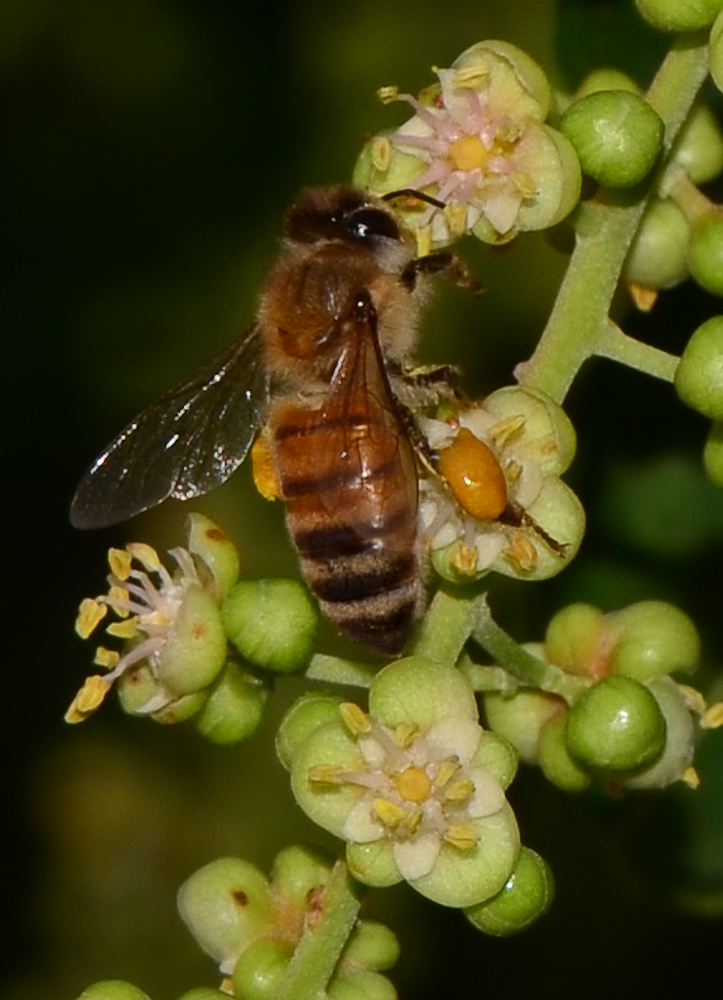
x=368 y=223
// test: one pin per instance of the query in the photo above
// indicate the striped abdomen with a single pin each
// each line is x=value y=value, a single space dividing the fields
x=349 y=481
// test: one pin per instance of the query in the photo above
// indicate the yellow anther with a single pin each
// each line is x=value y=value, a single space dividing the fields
x=504 y=430
x=90 y=613
x=87 y=699
x=522 y=553
x=388 y=94
x=145 y=554
x=381 y=153
x=118 y=594
x=389 y=813
x=459 y=791
x=690 y=777
x=409 y=826
x=413 y=784
x=468 y=153
x=456 y=216
x=693 y=699
x=423 y=235
x=326 y=774
x=124 y=630
x=262 y=469
x=119 y=561
x=471 y=76
x=405 y=734
x=525 y=185
x=463 y=559
x=461 y=836
x=354 y=718
x=447 y=770
x=107 y=658
x=712 y=718
x=513 y=471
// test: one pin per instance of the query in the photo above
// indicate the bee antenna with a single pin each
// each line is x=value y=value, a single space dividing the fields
x=413 y=193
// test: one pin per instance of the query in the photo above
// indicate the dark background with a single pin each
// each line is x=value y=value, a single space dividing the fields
x=150 y=148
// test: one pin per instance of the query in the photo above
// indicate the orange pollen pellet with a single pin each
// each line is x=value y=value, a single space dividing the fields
x=474 y=475
x=413 y=784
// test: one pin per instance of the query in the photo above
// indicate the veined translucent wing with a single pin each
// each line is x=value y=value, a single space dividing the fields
x=184 y=445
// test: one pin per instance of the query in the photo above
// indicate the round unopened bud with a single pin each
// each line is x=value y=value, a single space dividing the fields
x=113 y=989
x=573 y=637
x=616 y=726
x=225 y=904
x=699 y=148
x=307 y=713
x=699 y=376
x=524 y=898
x=716 y=52
x=271 y=622
x=659 y=254
x=260 y=969
x=360 y=984
x=520 y=717
x=679 y=15
x=606 y=78
x=554 y=757
x=204 y=993
x=680 y=738
x=372 y=945
x=233 y=708
x=654 y=638
x=713 y=454
x=705 y=252
x=297 y=871
x=616 y=134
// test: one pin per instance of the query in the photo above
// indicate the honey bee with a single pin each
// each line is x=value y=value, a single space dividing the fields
x=322 y=371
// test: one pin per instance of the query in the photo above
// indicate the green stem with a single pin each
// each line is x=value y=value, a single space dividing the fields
x=446 y=628
x=529 y=669
x=618 y=346
x=318 y=952
x=579 y=326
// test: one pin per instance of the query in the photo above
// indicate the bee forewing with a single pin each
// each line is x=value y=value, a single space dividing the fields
x=184 y=445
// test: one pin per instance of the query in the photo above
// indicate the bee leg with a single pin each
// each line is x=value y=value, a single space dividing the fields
x=516 y=516
x=436 y=263
x=437 y=383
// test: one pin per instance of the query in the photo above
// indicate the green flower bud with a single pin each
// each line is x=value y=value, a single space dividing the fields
x=297 y=871
x=699 y=376
x=616 y=726
x=713 y=454
x=260 y=968
x=616 y=134
x=716 y=52
x=113 y=989
x=677 y=756
x=659 y=254
x=204 y=993
x=699 y=148
x=606 y=78
x=185 y=707
x=705 y=252
x=136 y=688
x=360 y=984
x=679 y=15
x=225 y=904
x=654 y=638
x=305 y=715
x=572 y=638
x=271 y=622
x=234 y=707
x=519 y=718
x=372 y=945
x=207 y=541
x=554 y=758
x=525 y=897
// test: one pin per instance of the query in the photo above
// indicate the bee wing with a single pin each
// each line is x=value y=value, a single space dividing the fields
x=184 y=445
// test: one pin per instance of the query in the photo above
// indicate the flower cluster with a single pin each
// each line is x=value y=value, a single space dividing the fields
x=623 y=717
x=415 y=787
x=478 y=143
x=500 y=504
